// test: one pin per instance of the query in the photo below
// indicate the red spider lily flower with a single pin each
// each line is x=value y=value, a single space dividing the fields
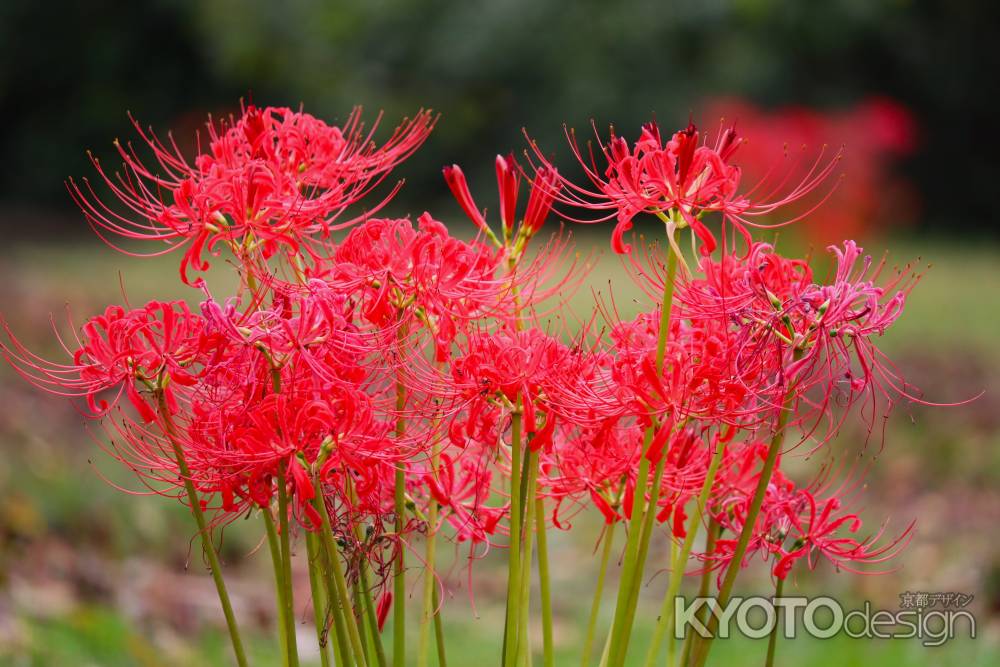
x=270 y=181
x=455 y=178
x=383 y=607
x=796 y=332
x=240 y=448
x=702 y=377
x=681 y=179
x=544 y=189
x=399 y=273
x=387 y=373
x=735 y=283
x=462 y=488
x=590 y=466
x=310 y=325
x=153 y=347
x=500 y=371
x=795 y=523
x=508 y=181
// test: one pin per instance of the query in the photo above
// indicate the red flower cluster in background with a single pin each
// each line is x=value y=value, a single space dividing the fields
x=876 y=134
x=398 y=382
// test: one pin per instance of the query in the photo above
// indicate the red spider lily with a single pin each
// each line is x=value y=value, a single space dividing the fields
x=781 y=313
x=681 y=179
x=735 y=284
x=399 y=274
x=238 y=448
x=270 y=181
x=591 y=466
x=462 y=488
x=506 y=371
x=529 y=279
x=153 y=347
x=700 y=377
x=544 y=189
x=795 y=523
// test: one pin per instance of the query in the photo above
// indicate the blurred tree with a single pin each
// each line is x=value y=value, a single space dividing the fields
x=491 y=66
x=69 y=73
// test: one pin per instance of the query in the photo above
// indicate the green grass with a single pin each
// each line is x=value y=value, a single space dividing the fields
x=101 y=637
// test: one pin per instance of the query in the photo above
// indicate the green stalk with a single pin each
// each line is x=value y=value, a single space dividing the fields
x=207 y=546
x=666 y=616
x=514 y=549
x=430 y=609
x=399 y=565
x=605 y=651
x=704 y=587
x=595 y=606
x=439 y=631
x=365 y=605
x=725 y=590
x=530 y=498
x=665 y=308
x=318 y=601
x=631 y=549
x=772 y=641
x=359 y=618
x=342 y=649
x=648 y=517
x=371 y=618
x=340 y=583
x=279 y=588
x=632 y=567
x=286 y=565
x=544 y=583
x=676 y=565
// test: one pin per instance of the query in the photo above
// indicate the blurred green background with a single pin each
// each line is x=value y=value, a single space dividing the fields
x=92 y=576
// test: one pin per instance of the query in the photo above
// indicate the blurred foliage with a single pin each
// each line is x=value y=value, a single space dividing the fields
x=70 y=70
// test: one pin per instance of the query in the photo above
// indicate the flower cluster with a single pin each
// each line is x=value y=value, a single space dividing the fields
x=399 y=383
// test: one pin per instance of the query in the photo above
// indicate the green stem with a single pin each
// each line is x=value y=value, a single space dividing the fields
x=544 y=584
x=725 y=590
x=340 y=583
x=430 y=610
x=530 y=499
x=666 y=616
x=371 y=617
x=363 y=592
x=275 y=549
x=773 y=639
x=286 y=566
x=514 y=549
x=342 y=649
x=637 y=543
x=704 y=587
x=318 y=601
x=439 y=630
x=605 y=652
x=648 y=517
x=666 y=307
x=359 y=618
x=595 y=606
x=631 y=550
x=207 y=546
x=675 y=564
x=399 y=564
